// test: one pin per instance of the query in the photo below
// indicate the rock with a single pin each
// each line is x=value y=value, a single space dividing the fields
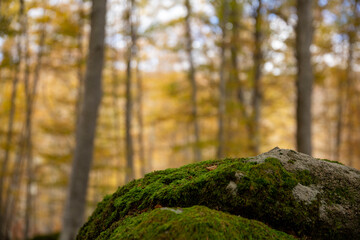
x=177 y=211
x=288 y=191
x=195 y=222
x=304 y=193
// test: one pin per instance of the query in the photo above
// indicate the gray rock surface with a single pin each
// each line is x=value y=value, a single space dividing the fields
x=336 y=187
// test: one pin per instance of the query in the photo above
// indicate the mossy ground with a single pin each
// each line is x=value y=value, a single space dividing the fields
x=197 y=222
x=263 y=192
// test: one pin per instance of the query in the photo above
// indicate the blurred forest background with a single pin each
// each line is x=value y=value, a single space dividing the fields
x=183 y=81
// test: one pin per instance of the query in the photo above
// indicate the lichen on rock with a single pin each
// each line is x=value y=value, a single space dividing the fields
x=174 y=210
x=232 y=187
x=305 y=193
x=288 y=191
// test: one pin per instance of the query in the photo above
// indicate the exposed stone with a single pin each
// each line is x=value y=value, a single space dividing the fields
x=239 y=176
x=177 y=210
x=304 y=193
x=232 y=187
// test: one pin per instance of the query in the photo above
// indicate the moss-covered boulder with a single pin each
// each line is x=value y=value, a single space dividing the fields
x=197 y=222
x=288 y=191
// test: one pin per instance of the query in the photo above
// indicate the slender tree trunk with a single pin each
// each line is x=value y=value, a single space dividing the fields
x=349 y=95
x=192 y=79
x=258 y=58
x=356 y=10
x=27 y=154
x=80 y=59
x=4 y=170
x=15 y=183
x=340 y=119
x=29 y=125
x=129 y=103
x=9 y=137
x=116 y=117
x=85 y=134
x=328 y=115
x=151 y=147
x=235 y=17
x=339 y=123
x=29 y=169
x=222 y=83
x=22 y=152
x=343 y=101
x=350 y=83
x=304 y=34
x=23 y=157
x=51 y=211
x=139 y=86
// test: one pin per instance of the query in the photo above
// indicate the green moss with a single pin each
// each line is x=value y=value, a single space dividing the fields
x=305 y=177
x=292 y=161
x=326 y=160
x=197 y=222
x=263 y=192
x=338 y=195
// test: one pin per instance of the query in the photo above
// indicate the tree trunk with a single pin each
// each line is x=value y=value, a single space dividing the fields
x=304 y=34
x=234 y=73
x=9 y=136
x=222 y=83
x=139 y=85
x=27 y=150
x=116 y=118
x=258 y=59
x=345 y=90
x=51 y=211
x=85 y=134
x=150 y=150
x=29 y=122
x=5 y=163
x=15 y=183
x=79 y=70
x=350 y=111
x=339 y=123
x=11 y=196
x=27 y=154
x=192 y=79
x=129 y=103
